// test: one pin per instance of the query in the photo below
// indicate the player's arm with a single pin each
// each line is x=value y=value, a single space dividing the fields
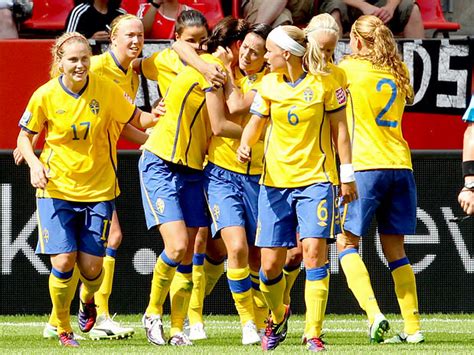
x=466 y=196
x=220 y=125
x=38 y=174
x=143 y=119
x=212 y=72
x=133 y=134
x=250 y=136
x=18 y=157
x=340 y=135
x=149 y=16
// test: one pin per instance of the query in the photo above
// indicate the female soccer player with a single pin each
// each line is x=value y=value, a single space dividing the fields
x=171 y=171
x=232 y=191
x=298 y=176
x=466 y=195
x=75 y=174
x=379 y=87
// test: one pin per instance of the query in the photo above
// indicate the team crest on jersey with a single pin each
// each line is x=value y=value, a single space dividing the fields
x=308 y=94
x=94 y=106
x=252 y=78
x=25 y=118
x=216 y=211
x=340 y=96
x=160 y=205
x=45 y=235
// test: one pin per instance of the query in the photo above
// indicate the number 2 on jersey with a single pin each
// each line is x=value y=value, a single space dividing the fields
x=379 y=119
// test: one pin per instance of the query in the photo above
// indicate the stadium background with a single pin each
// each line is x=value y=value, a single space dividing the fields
x=442 y=252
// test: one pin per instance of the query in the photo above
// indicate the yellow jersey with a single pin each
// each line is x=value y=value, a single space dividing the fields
x=298 y=145
x=181 y=136
x=222 y=151
x=107 y=65
x=374 y=114
x=162 y=67
x=78 y=150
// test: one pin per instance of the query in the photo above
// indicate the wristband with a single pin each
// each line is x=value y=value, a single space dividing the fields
x=468 y=168
x=347 y=173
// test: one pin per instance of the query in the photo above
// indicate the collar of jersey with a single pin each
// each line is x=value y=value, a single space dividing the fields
x=117 y=63
x=69 y=92
x=299 y=80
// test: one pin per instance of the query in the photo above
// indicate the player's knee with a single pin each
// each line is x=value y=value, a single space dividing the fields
x=347 y=241
x=177 y=251
x=294 y=257
x=64 y=262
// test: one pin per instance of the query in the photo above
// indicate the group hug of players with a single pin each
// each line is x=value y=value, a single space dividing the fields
x=240 y=164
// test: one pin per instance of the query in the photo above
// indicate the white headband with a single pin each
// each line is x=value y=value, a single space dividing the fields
x=282 y=40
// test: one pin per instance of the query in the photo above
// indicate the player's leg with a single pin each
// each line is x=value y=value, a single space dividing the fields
x=214 y=262
x=292 y=268
x=260 y=307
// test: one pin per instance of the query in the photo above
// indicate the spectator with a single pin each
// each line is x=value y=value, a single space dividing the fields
x=92 y=18
x=466 y=196
x=401 y=16
x=7 y=23
x=278 y=12
x=159 y=17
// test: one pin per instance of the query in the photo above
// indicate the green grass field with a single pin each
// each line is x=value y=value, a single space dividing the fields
x=452 y=333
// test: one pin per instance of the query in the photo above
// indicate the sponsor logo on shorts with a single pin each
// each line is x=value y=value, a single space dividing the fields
x=45 y=235
x=216 y=211
x=160 y=205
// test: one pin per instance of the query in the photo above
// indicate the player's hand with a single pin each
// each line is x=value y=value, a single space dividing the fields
x=160 y=109
x=225 y=54
x=386 y=13
x=466 y=200
x=369 y=9
x=38 y=176
x=101 y=36
x=243 y=154
x=214 y=75
x=18 y=157
x=348 y=192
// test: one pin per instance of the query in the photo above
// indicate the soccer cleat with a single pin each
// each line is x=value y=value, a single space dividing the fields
x=378 y=329
x=51 y=332
x=304 y=339
x=107 y=328
x=197 y=332
x=250 y=333
x=180 y=339
x=87 y=315
x=154 y=329
x=315 y=345
x=67 y=340
x=186 y=326
x=273 y=332
x=402 y=337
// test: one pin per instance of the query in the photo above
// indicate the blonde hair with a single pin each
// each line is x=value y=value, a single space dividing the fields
x=382 y=50
x=295 y=34
x=114 y=26
x=57 y=51
x=314 y=60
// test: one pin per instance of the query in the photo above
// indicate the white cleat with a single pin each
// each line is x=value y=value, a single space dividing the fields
x=154 y=329
x=180 y=339
x=402 y=337
x=250 y=334
x=106 y=328
x=197 y=332
x=51 y=332
x=378 y=329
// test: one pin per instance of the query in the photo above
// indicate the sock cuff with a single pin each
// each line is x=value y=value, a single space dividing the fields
x=238 y=274
x=212 y=261
x=347 y=252
x=398 y=263
x=317 y=273
x=185 y=269
x=198 y=259
x=62 y=275
x=167 y=260
x=328 y=265
x=111 y=252
x=290 y=268
x=239 y=286
x=268 y=282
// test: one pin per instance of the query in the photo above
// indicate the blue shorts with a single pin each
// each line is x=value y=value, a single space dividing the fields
x=281 y=212
x=232 y=199
x=66 y=226
x=388 y=194
x=171 y=192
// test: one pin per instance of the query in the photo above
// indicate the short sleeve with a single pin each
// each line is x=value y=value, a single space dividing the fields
x=335 y=95
x=34 y=118
x=149 y=68
x=122 y=108
x=469 y=114
x=260 y=106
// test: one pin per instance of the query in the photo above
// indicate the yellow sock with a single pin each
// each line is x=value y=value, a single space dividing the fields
x=180 y=294
x=60 y=284
x=358 y=280
x=70 y=296
x=213 y=271
x=272 y=291
x=260 y=308
x=163 y=274
x=405 y=288
x=101 y=297
x=291 y=274
x=241 y=288
x=316 y=297
x=196 y=304
x=326 y=282
x=90 y=287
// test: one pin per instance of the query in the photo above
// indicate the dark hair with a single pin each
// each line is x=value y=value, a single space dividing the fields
x=226 y=32
x=260 y=29
x=112 y=5
x=190 y=18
